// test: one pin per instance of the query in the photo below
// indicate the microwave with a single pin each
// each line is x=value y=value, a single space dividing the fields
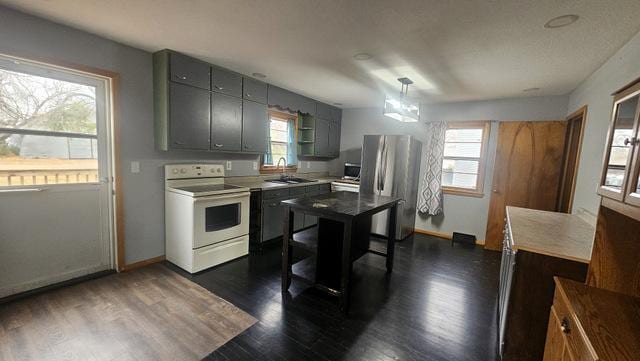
x=351 y=171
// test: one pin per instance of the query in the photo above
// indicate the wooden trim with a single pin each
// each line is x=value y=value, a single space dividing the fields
x=142 y=263
x=622 y=208
x=607 y=191
x=114 y=81
x=581 y=113
x=442 y=235
x=482 y=161
x=447 y=236
x=627 y=89
x=270 y=169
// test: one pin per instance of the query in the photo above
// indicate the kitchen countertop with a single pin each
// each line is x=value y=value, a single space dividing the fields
x=261 y=184
x=554 y=234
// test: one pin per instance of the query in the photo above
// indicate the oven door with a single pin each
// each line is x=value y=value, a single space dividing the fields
x=219 y=218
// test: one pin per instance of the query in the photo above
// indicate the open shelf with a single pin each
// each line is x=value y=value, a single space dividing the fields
x=305 y=271
x=306 y=239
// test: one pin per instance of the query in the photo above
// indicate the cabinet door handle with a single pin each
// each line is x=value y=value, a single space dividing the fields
x=564 y=325
x=181 y=77
x=217 y=145
x=218 y=87
x=631 y=141
x=178 y=143
x=248 y=95
x=247 y=146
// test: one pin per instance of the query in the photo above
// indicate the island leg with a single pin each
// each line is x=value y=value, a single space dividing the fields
x=287 y=251
x=345 y=275
x=391 y=238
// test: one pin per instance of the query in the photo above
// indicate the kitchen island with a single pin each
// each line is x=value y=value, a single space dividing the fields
x=344 y=227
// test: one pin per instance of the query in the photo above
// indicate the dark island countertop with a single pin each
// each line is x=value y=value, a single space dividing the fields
x=342 y=204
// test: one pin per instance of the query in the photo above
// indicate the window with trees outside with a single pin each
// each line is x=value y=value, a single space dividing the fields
x=464 y=157
x=281 y=142
x=47 y=128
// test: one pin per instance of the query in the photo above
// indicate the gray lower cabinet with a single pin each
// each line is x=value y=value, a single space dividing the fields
x=188 y=117
x=226 y=122
x=273 y=212
x=255 y=127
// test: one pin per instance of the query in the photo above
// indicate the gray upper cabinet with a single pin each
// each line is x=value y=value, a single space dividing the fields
x=321 y=142
x=189 y=114
x=189 y=71
x=226 y=82
x=334 y=138
x=306 y=105
x=281 y=98
x=255 y=127
x=226 y=122
x=254 y=90
x=324 y=111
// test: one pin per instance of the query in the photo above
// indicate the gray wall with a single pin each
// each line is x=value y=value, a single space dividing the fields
x=29 y=36
x=595 y=92
x=461 y=214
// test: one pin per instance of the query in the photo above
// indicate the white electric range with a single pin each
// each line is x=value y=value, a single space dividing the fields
x=206 y=220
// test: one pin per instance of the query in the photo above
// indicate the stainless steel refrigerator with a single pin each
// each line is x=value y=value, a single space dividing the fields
x=391 y=167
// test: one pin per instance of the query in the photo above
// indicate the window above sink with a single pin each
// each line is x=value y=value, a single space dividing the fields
x=281 y=143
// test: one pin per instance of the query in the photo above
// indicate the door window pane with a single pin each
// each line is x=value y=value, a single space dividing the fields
x=27 y=159
x=38 y=103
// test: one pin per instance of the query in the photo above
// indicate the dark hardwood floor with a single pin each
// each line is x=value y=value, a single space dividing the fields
x=438 y=304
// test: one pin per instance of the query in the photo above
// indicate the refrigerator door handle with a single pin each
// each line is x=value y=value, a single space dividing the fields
x=383 y=166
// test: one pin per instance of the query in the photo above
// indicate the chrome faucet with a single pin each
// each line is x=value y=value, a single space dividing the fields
x=284 y=164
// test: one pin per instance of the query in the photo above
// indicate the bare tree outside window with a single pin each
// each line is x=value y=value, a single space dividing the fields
x=47 y=130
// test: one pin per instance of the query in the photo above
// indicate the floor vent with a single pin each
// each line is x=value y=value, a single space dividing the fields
x=463 y=238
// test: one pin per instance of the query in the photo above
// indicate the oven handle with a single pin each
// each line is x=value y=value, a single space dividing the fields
x=220 y=197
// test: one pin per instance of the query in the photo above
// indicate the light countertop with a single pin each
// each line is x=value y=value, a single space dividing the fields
x=256 y=183
x=554 y=234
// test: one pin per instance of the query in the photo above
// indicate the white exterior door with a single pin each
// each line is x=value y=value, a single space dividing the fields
x=55 y=175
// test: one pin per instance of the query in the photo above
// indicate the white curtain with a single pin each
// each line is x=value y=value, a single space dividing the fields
x=430 y=197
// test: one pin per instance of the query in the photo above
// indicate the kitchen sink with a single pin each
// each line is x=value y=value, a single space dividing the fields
x=290 y=180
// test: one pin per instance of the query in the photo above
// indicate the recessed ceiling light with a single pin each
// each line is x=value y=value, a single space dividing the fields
x=530 y=89
x=337 y=104
x=561 y=21
x=362 y=56
x=259 y=75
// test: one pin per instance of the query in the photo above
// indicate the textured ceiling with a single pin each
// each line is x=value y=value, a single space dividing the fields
x=453 y=50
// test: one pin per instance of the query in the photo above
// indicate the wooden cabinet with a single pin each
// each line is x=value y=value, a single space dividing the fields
x=588 y=324
x=189 y=114
x=226 y=82
x=255 y=127
x=621 y=167
x=226 y=122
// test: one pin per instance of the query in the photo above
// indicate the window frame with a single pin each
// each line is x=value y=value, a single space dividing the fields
x=478 y=191
x=269 y=168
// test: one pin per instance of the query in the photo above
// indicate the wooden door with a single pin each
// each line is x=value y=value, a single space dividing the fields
x=572 y=148
x=526 y=173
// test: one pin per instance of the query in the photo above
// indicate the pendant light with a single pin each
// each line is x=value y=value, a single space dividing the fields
x=401 y=108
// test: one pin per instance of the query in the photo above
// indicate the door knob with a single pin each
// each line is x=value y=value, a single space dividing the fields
x=495 y=191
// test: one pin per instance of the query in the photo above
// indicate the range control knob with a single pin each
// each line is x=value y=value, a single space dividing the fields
x=213 y=170
x=219 y=170
x=174 y=171
x=183 y=171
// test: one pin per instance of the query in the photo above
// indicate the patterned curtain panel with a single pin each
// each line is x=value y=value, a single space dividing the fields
x=430 y=197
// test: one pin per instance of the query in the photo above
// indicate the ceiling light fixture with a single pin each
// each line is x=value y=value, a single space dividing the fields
x=561 y=21
x=259 y=75
x=530 y=90
x=402 y=108
x=362 y=56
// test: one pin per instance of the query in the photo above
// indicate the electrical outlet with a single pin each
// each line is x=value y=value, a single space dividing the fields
x=255 y=165
x=229 y=167
x=308 y=164
x=135 y=167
